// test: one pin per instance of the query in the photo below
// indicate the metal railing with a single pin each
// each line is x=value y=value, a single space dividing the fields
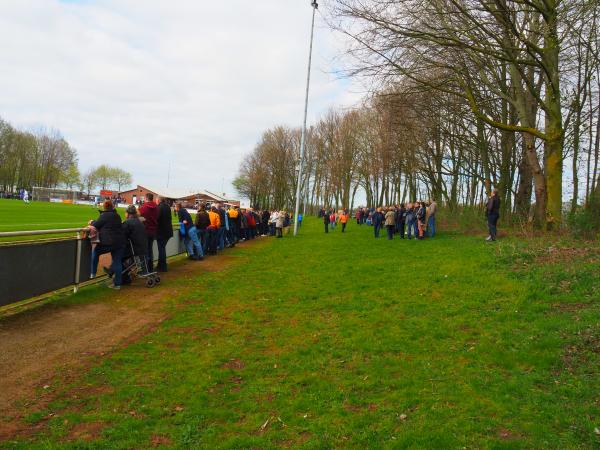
x=39 y=267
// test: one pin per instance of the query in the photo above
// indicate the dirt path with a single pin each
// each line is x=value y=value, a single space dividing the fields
x=63 y=340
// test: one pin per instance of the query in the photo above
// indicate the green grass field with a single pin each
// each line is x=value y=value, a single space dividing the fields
x=16 y=215
x=344 y=341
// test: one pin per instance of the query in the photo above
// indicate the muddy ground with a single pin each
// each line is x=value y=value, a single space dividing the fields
x=55 y=340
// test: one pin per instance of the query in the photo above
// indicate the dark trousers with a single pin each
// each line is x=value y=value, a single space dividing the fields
x=150 y=254
x=212 y=241
x=327 y=227
x=161 y=243
x=492 y=220
x=401 y=229
x=390 y=231
x=279 y=232
x=376 y=229
x=343 y=226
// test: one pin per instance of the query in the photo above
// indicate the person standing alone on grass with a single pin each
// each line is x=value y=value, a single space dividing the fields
x=149 y=213
x=164 y=232
x=326 y=222
x=492 y=211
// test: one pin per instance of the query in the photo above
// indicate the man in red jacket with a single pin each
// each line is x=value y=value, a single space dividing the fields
x=149 y=211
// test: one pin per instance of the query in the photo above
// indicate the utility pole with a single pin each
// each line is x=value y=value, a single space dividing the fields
x=315 y=6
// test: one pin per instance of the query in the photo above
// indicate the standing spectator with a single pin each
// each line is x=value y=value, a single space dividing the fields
x=279 y=224
x=326 y=221
x=135 y=238
x=233 y=214
x=25 y=196
x=390 y=223
x=149 y=212
x=344 y=219
x=190 y=238
x=358 y=216
x=202 y=223
x=213 y=230
x=264 y=222
x=411 y=221
x=492 y=211
x=299 y=219
x=332 y=219
x=421 y=215
x=112 y=240
x=400 y=220
x=164 y=232
x=377 y=219
x=222 y=227
x=431 y=219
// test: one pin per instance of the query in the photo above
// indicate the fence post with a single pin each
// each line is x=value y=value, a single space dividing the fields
x=77 y=264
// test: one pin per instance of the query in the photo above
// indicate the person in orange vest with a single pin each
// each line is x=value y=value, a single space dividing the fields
x=213 y=229
x=344 y=219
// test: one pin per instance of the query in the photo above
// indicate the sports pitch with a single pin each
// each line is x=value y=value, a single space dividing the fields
x=16 y=215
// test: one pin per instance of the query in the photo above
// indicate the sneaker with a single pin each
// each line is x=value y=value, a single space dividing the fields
x=489 y=238
x=112 y=286
x=108 y=272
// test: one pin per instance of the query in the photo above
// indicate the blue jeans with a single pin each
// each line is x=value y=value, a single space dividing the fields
x=412 y=229
x=192 y=243
x=431 y=225
x=221 y=237
x=376 y=228
x=117 y=265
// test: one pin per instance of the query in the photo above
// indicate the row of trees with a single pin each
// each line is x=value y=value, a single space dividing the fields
x=45 y=159
x=40 y=159
x=472 y=94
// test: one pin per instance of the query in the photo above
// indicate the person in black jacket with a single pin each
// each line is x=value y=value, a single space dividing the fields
x=164 y=232
x=202 y=223
x=492 y=212
x=136 y=241
x=326 y=221
x=401 y=220
x=112 y=239
x=378 y=219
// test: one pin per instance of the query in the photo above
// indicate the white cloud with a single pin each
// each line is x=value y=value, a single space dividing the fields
x=137 y=83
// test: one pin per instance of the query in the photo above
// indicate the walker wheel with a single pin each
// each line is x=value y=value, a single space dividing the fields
x=157 y=279
x=149 y=282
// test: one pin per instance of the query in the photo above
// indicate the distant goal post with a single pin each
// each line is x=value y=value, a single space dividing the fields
x=56 y=195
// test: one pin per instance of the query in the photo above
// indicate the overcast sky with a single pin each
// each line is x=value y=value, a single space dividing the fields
x=139 y=83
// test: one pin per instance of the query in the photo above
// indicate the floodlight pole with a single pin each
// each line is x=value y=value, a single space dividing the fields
x=315 y=6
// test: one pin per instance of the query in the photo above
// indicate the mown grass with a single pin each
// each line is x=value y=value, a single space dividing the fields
x=341 y=340
x=15 y=215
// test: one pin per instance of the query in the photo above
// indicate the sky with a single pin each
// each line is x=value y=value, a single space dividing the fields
x=144 y=84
